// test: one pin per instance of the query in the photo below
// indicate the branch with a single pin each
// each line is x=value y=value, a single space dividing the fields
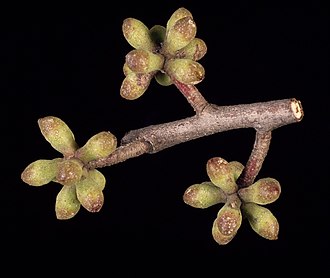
x=256 y=159
x=262 y=116
x=193 y=96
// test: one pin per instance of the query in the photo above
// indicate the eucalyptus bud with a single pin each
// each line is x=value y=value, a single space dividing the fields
x=223 y=174
x=40 y=172
x=126 y=69
x=228 y=221
x=195 y=50
x=144 y=61
x=163 y=79
x=98 y=146
x=203 y=195
x=157 y=34
x=180 y=34
x=58 y=134
x=69 y=172
x=262 y=192
x=178 y=14
x=137 y=34
x=262 y=221
x=236 y=168
x=185 y=71
x=89 y=191
x=134 y=85
x=98 y=177
x=67 y=204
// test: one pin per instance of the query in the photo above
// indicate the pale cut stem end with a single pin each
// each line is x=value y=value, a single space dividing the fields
x=297 y=109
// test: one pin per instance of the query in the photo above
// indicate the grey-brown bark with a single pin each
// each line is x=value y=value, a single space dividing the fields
x=262 y=116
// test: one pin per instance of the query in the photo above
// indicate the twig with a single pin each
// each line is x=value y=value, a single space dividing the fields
x=256 y=159
x=262 y=116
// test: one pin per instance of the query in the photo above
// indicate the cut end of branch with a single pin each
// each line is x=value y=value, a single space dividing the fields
x=297 y=109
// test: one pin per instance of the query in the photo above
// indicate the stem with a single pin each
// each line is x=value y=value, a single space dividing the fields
x=262 y=116
x=121 y=154
x=193 y=96
x=256 y=159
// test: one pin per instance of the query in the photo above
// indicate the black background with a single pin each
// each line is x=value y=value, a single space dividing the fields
x=68 y=63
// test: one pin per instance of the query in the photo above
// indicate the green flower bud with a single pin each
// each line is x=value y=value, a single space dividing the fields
x=204 y=195
x=137 y=34
x=89 y=191
x=98 y=177
x=127 y=70
x=262 y=221
x=98 y=146
x=134 y=85
x=163 y=79
x=222 y=174
x=185 y=71
x=157 y=34
x=40 y=172
x=144 y=61
x=67 y=204
x=58 y=134
x=262 y=192
x=178 y=14
x=180 y=35
x=69 y=172
x=236 y=168
x=195 y=50
x=228 y=221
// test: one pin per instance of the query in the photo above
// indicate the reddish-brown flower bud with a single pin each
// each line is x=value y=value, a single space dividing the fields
x=262 y=221
x=144 y=61
x=98 y=146
x=204 y=195
x=69 y=172
x=67 y=204
x=262 y=192
x=228 y=221
x=89 y=191
x=134 y=85
x=185 y=71
x=195 y=50
x=58 y=134
x=137 y=34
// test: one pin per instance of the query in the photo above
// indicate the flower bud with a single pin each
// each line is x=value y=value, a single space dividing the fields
x=262 y=221
x=262 y=192
x=228 y=221
x=126 y=69
x=236 y=168
x=69 y=172
x=134 y=85
x=180 y=34
x=157 y=34
x=137 y=34
x=195 y=50
x=58 y=134
x=144 y=61
x=223 y=174
x=203 y=195
x=98 y=146
x=178 y=14
x=67 y=204
x=163 y=79
x=89 y=191
x=98 y=178
x=40 y=172
x=185 y=71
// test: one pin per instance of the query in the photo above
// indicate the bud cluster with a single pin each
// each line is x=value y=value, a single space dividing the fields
x=238 y=202
x=80 y=186
x=165 y=53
